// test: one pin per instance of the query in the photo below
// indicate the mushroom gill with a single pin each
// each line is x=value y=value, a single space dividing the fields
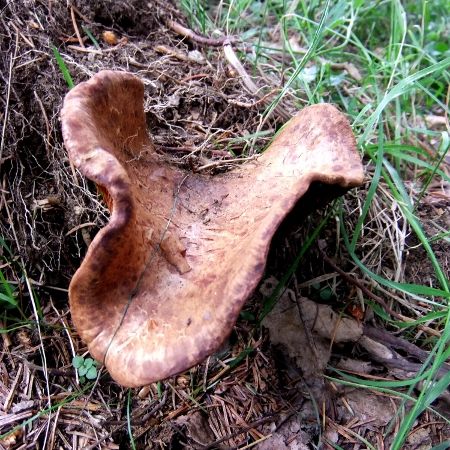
x=163 y=282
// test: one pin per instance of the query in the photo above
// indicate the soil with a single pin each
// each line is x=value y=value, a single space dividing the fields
x=198 y=112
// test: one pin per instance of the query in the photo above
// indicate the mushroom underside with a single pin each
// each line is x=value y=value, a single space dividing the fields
x=163 y=283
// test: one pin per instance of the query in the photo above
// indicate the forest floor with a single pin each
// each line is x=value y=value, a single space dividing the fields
x=373 y=265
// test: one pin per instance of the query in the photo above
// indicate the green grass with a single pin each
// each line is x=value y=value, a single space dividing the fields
x=12 y=316
x=63 y=68
x=130 y=431
x=401 y=52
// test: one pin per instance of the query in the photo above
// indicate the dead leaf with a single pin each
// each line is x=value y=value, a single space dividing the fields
x=287 y=328
x=306 y=329
x=366 y=406
x=288 y=436
x=197 y=427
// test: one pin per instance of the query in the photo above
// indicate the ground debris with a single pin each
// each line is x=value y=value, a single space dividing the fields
x=198 y=429
x=200 y=115
x=307 y=329
x=373 y=410
x=288 y=436
x=419 y=439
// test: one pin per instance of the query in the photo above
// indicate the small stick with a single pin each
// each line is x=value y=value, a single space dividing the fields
x=82 y=16
x=255 y=103
x=223 y=162
x=47 y=123
x=202 y=40
x=12 y=391
x=358 y=284
x=69 y=336
x=241 y=430
x=6 y=339
x=399 y=343
x=51 y=443
x=233 y=60
x=28 y=41
x=194 y=77
x=75 y=27
x=56 y=372
x=12 y=58
x=236 y=64
x=172 y=52
x=85 y=50
x=399 y=362
x=79 y=227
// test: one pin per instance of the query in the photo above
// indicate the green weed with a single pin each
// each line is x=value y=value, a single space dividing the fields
x=63 y=68
x=86 y=368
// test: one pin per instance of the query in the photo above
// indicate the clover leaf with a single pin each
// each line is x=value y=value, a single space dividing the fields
x=86 y=368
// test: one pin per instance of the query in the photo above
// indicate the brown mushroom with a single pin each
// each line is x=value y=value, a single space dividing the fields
x=163 y=282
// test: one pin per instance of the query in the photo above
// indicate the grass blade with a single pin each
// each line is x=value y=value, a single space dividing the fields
x=63 y=68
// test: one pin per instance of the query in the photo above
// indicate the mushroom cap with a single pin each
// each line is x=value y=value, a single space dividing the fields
x=163 y=283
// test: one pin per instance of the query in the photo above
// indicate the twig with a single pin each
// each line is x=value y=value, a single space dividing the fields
x=171 y=52
x=6 y=339
x=28 y=41
x=152 y=412
x=138 y=64
x=40 y=285
x=57 y=372
x=66 y=329
x=360 y=285
x=395 y=360
x=12 y=390
x=12 y=58
x=38 y=325
x=233 y=60
x=102 y=439
x=195 y=77
x=249 y=84
x=255 y=103
x=202 y=40
x=51 y=442
x=147 y=67
x=396 y=342
x=82 y=16
x=47 y=123
x=140 y=421
x=178 y=54
x=79 y=227
x=75 y=27
x=223 y=162
x=85 y=50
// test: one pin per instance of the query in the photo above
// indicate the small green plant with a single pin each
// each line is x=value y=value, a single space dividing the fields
x=8 y=297
x=325 y=293
x=10 y=304
x=63 y=68
x=91 y=37
x=86 y=368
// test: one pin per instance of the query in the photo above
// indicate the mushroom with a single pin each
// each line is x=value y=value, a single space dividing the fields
x=162 y=284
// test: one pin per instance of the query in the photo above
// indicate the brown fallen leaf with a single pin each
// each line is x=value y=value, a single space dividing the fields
x=306 y=328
